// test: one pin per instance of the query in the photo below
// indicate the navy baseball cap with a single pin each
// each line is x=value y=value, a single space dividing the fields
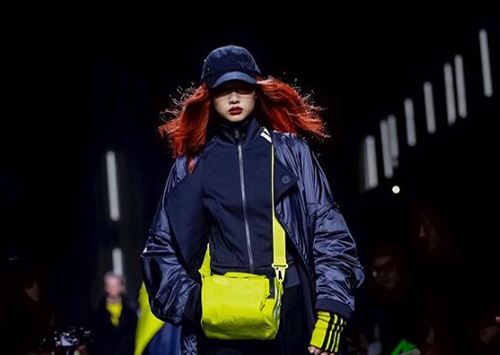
x=229 y=63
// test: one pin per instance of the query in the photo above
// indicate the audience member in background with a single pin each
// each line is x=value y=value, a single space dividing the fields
x=113 y=322
x=388 y=308
x=484 y=331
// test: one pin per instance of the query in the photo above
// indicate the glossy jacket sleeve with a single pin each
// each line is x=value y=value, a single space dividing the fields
x=172 y=292
x=337 y=268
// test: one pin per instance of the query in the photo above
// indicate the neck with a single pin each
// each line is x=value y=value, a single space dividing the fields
x=225 y=123
x=110 y=299
x=235 y=132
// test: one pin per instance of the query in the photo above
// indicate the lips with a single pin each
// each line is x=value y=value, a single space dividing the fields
x=235 y=111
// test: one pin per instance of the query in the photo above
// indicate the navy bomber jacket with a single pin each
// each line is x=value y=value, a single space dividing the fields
x=226 y=200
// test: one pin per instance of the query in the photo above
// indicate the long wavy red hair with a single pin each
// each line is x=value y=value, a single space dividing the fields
x=278 y=106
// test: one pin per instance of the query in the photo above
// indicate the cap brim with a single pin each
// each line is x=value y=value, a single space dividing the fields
x=233 y=75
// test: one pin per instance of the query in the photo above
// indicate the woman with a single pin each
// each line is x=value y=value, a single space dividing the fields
x=219 y=192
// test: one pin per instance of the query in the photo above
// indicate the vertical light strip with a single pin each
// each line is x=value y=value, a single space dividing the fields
x=114 y=208
x=460 y=82
x=386 y=150
x=429 y=108
x=450 y=94
x=393 y=140
x=485 y=63
x=117 y=261
x=411 y=135
x=369 y=159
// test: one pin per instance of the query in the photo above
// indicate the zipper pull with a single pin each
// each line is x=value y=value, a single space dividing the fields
x=237 y=134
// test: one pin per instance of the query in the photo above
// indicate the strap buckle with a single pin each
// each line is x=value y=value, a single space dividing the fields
x=280 y=271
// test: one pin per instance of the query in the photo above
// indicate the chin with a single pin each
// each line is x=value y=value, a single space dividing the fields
x=236 y=118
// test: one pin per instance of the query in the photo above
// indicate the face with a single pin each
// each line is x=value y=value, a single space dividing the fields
x=385 y=271
x=427 y=236
x=234 y=100
x=113 y=287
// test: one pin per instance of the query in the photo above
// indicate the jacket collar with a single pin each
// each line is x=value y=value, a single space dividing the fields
x=284 y=177
x=230 y=133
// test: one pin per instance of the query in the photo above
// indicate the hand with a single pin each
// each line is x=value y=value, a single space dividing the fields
x=325 y=338
x=314 y=350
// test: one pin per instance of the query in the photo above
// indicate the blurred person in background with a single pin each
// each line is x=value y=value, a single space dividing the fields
x=113 y=322
x=484 y=331
x=388 y=308
x=27 y=315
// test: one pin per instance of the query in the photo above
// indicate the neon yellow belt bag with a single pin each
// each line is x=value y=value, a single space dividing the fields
x=241 y=305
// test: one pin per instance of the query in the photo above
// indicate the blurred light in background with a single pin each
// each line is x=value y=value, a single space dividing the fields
x=114 y=208
x=430 y=115
x=450 y=94
x=396 y=189
x=117 y=261
x=393 y=140
x=460 y=82
x=369 y=164
x=456 y=106
x=485 y=63
x=386 y=148
x=411 y=135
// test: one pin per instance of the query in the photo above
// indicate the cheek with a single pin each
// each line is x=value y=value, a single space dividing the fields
x=249 y=103
x=218 y=105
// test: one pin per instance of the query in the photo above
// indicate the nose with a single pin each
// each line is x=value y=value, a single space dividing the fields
x=234 y=98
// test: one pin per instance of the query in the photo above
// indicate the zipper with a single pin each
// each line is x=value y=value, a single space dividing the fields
x=244 y=202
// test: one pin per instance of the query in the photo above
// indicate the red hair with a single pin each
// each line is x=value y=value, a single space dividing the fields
x=278 y=106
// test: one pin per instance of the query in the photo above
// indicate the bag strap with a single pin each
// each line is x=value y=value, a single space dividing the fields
x=279 y=239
